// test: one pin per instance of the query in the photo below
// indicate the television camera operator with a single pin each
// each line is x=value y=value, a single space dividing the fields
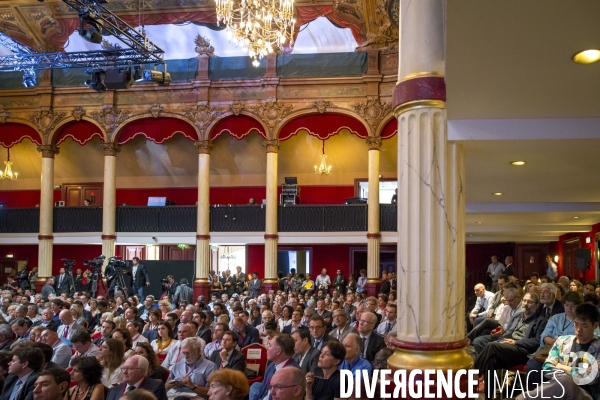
x=169 y=286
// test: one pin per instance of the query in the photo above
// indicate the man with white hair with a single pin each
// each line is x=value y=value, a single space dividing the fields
x=135 y=372
x=191 y=374
x=549 y=306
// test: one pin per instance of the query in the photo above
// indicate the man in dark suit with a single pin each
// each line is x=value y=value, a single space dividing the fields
x=172 y=285
x=254 y=286
x=229 y=283
x=247 y=334
x=183 y=293
x=22 y=278
x=372 y=342
x=240 y=280
x=135 y=370
x=229 y=356
x=48 y=289
x=22 y=373
x=48 y=320
x=386 y=285
x=306 y=356
x=317 y=332
x=281 y=351
x=63 y=283
x=139 y=277
x=69 y=327
x=52 y=383
x=549 y=306
x=6 y=337
x=326 y=314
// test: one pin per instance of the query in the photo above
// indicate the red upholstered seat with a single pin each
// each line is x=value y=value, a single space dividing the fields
x=256 y=358
x=96 y=335
x=518 y=368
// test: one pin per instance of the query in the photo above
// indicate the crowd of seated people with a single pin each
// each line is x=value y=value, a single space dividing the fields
x=111 y=346
x=538 y=326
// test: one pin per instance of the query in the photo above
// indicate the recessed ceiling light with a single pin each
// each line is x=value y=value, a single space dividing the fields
x=497 y=193
x=575 y=217
x=587 y=56
x=517 y=163
x=470 y=235
x=478 y=222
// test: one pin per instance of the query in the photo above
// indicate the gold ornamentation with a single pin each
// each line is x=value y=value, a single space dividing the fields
x=236 y=107
x=110 y=149
x=272 y=145
x=374 y=142
x=272 y=112
x=322 y=105
x=78 y=113
x=202 y=115
x=48 y=150
x=383 y=31
x=373 y=111
x=203 y=146
x=45 y=120
x=413 y=105
x=203 y=46
x=4 y=115
x=110 y=118
x=156 y=110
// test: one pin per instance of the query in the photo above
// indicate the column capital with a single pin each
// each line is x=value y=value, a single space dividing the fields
x=48 y=150
x=111 y=149
x=374 y=142
x=203 y=146
x=271 y=145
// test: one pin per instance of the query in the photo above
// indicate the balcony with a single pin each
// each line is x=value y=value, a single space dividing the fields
x=223 y=218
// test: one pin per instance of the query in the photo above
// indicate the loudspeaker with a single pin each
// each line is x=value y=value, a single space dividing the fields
x=583 y=258
x=118 y=78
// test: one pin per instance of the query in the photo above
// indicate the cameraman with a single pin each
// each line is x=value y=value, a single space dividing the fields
x=171 y=286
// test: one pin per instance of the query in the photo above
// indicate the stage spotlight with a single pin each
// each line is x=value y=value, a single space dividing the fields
x=118 y=78
x=29 y=78
x=162 y=78
x=96 y=83
x=90 y=28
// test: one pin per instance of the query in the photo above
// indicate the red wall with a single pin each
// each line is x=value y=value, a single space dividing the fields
x=24 y=198
x=589 y=274
x=75 y=252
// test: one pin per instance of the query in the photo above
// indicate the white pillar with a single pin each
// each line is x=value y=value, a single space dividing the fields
x=109 y=206
x=201 y=285
x=373 y=208
x=46 y=236
x=271 y=232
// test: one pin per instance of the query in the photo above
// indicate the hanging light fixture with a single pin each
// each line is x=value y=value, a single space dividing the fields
x=322 y=168
x=8 y=174
x=260 y=26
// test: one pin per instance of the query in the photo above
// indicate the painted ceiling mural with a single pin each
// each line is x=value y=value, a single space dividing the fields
x=49 y=26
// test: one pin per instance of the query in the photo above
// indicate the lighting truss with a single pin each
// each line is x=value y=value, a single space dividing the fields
x=12 y=45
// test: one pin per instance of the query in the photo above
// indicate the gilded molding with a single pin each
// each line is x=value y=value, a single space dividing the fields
x=110 y=149
x=236 y=107
x=4 y=115
x=156 y=109
x=272 y=145
x=110 y=118
x=202 y=115
x=272 y=112
x=203 y=146
x=373 y=111
x=46 y=119
x=78 y=113
x=48 y=150
x=374 y=142
x=413 y=105
x=322 y=105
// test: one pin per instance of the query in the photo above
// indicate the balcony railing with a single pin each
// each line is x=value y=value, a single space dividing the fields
x=228 y=218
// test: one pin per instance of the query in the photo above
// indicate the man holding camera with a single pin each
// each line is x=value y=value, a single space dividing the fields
x=139 y=277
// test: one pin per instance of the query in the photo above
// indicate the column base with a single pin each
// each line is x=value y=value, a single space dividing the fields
x=202 y=288
x=450 y=356
x=270 y=284
x=372 y=286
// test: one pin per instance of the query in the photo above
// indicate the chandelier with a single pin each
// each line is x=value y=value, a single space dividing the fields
x=260 y=26
x=8 y=174
x=322 y=168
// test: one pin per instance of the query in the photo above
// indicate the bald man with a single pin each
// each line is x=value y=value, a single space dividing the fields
x=288 y=383
x=61 y=352
x=484 y=302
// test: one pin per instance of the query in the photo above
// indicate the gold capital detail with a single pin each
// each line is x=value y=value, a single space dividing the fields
x=45 y=120
x=272 y=112
x=110 y=118
x=203 y=146
x=272 y=145
x=78 y=113
x=4 y=115
x=110 y=149
x=48 y=150
x=373 y=111
x=202 y=115
x=374 y=142
x=322 y=105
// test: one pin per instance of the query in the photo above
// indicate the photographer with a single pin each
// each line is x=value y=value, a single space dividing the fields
x=170 y=286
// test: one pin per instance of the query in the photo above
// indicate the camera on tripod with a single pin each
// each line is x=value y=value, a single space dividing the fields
x=68 y=264
x=118 y=264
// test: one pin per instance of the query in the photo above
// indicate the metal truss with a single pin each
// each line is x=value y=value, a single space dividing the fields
x=16 y=47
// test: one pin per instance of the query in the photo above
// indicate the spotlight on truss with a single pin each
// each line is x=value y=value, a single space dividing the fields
x=97 y=80
x=90 y=28
x=29 y=78
x=162 y=78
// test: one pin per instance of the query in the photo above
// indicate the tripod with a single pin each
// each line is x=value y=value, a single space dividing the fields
x=97 y=277
x=118 y=283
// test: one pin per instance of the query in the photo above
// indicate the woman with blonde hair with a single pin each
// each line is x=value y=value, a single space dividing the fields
x=165 y=307
x=77 y=313
x=227 y=384
x=576 y=286
x=120 y=322
x=112 y=355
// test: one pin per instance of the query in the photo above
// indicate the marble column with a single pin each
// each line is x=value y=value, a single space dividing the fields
x=201 y=285
x=46 y=236
x=271 y=233
x=431 y=203
x=373 y=228
x=109 y=202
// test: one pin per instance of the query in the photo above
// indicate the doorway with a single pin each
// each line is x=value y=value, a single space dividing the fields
x=74 y=194
x=358 y=260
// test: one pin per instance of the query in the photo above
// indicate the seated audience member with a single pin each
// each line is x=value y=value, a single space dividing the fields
x=353 y=361
x=327 y=387
x=155 y=370
x=51 y=384
x=563 y=384
x=123 y=336
x=106 y=331
x=164 y=339
x=318 y=330
x=513 y=348
x=279 y=352
x=204 y=331
x=83 y=346
x=288 y=384
x=267 y=316
x=191 y=374
x=305 y=355
x=86 y=373
x=36 y=333
x=23 y=371
x=342 y=327
x=62 y=352
x=5 y=358
x=229 y=356
x=372 y=342
x=112 y=355
x=295 y=324
x=20 y=328
x=140 y=394
x=482 y=306
x=558 y=325
x=576 y=286
x=6 y=337
x=390 y=320
x=215 y=345
x=371 y=304
x=381 y=358
x=48 y=353
x=135 y=372
x=549 y=306
x=247 y=334
x=135 y=330
x=175 y=355
x=69 y=327
x=228 y=384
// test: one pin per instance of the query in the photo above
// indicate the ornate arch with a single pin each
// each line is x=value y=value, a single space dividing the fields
x=222 y=127
x=388 y=127
x=81 y=139
x=188 y=129
x=25 y=129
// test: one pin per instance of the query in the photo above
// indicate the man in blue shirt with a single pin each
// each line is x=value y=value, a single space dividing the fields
x=353 y=362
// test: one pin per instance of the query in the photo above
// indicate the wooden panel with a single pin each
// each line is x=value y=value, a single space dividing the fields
x=134 y=251
x=530 y=258
x=75 y=193
x=73 y=197
x=175 y=253
x=94 y=193
x=569 y=258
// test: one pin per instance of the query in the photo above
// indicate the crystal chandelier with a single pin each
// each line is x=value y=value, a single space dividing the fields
x=8 y=174
x=322 y=168
x=260 y=26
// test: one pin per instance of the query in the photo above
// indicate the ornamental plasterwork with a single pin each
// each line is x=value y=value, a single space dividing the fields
x=4 y=115
x=110 y=118
x=373 y=111
x=78 y=113
x=236 y=107
x=272 y=112
x=203 y=46
x=202 y=115
x=46 y=119
x=322 y=105
x=156 y=110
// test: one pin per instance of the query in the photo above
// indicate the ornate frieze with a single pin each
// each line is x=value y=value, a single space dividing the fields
x=110 y=118
x=46 y=119
x=373 y=111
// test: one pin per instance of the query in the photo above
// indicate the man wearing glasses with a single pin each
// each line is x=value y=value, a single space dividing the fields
x=288 y=384
x=279 y=352
x=317 y=332
x=340 y=319
x=135 y=370
x=371 y=341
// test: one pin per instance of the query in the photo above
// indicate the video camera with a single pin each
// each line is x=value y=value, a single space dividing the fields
x=118 y=264
x=96 y=263
x=68 y=264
